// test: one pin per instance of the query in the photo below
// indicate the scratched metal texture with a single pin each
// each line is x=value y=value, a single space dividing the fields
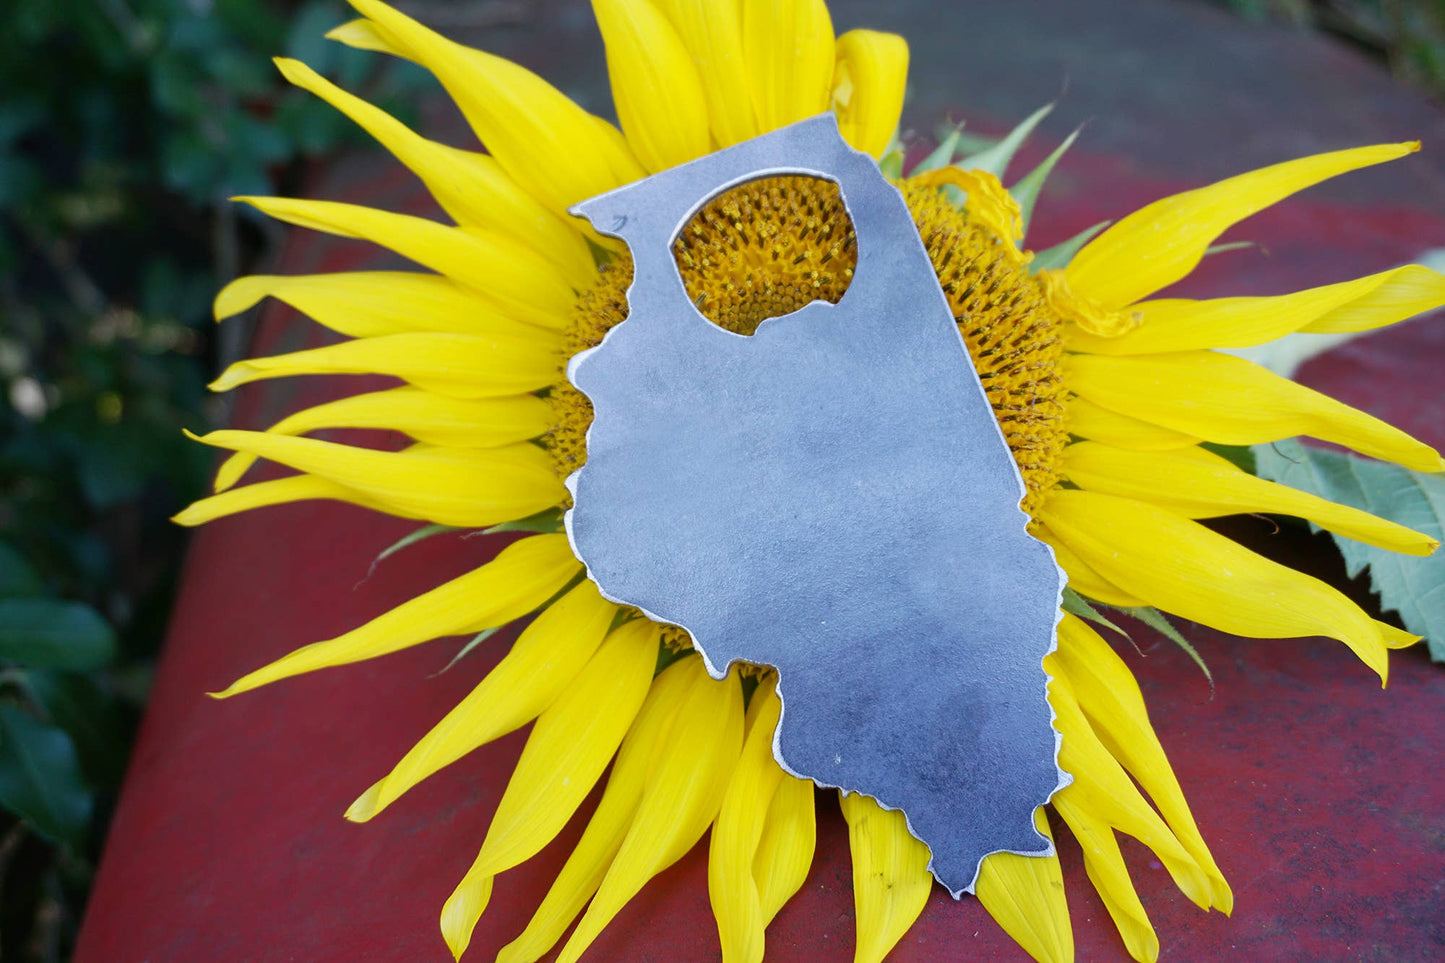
x=1316 y=789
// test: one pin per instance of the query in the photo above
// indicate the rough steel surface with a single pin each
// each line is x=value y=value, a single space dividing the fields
x=833 y=497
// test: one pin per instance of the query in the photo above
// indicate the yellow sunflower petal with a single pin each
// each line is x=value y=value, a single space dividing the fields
x=684 y=791
x=368 y=304
x=1182 y=567
x=522 y=576
x=1396 y=638
x=1105 y=865
x=427 y=417
x=713 y=33
x=464 y=487
x=1200 y=484
x=471 y=187
x=363 y=35
x=545 y=659
x=1108 y=695
x=732 y=889
x=1025 y=896
x=1226 y=399
x=891 y=880
x=656 y=88
x=988 y=202
x=1082 y=578
x=525 y=284
x=1088 y=420
x=1359 y=305
x=868 y=82
x=457 y=365
x=568 y=749
x=555 y=150
x=594 y=852
x=785 y=851
x=789 y=49
x=1161 y=243
x=1103 y=789
x=281 y=491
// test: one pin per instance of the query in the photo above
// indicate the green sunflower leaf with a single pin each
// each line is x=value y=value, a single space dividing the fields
x=1413 y=587
x=1241 y=455
x=40 y=777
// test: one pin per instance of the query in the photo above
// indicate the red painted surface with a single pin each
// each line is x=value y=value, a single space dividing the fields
x=1319 y=793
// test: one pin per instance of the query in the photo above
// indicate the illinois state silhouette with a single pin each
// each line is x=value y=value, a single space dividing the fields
x=833 y=497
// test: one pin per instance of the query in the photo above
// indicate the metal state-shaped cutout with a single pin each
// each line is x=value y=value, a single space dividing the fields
x=833 y=497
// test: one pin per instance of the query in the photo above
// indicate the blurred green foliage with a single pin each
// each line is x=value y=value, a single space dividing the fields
x=124 y=126
x=1407 y=34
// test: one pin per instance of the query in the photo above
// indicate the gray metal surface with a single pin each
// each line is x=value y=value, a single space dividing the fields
x=831 y=496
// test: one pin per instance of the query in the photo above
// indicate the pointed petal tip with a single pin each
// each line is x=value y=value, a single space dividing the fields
x=185 y=518
x=229 y=378
x=455 y=929
x=365 y=807
x=1223 y=897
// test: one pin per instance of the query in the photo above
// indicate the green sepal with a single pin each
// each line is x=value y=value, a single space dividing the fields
x=1226 y=247
x=548 y=522
x=996 y=159
x=1075 y=604
x=1157 y=621
x=943 y=154
x=1058 y=257
x=891 y=163
x=411 y=538
x=1026 y=191
x=465 y=650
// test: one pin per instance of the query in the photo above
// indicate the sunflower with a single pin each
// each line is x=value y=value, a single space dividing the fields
x=1113 y=402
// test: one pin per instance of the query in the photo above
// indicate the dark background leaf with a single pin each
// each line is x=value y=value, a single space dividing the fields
x=40 y=777
x=53 y=634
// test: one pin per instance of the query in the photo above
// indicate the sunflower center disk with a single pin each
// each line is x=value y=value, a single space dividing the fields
x=832 y=496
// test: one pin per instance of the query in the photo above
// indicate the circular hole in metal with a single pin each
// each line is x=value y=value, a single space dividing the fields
x=766 y=248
